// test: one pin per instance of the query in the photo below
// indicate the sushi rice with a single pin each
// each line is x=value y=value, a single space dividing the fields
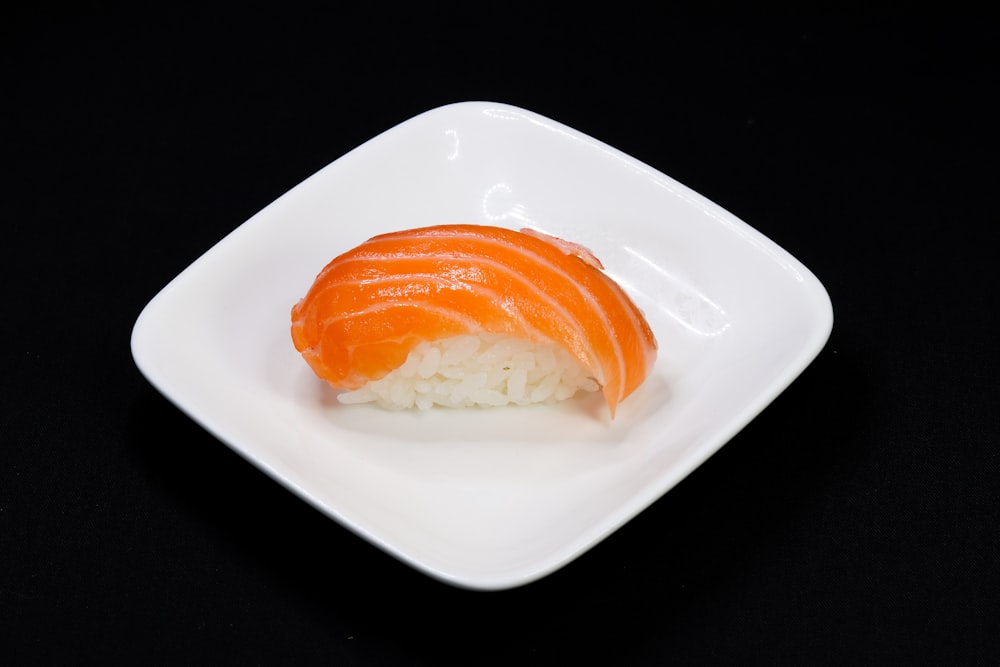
x=477 y=370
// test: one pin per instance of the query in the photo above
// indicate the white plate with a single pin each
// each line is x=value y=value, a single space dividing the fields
x=490 y=498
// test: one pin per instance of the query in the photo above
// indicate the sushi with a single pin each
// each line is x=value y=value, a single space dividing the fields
x=460 y=315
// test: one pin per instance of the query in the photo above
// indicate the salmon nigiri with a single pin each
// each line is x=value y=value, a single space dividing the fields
x=471 y=314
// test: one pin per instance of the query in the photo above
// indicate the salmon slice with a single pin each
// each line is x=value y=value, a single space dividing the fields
x=369 y=307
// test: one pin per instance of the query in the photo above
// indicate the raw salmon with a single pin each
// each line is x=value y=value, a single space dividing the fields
x=369 y=307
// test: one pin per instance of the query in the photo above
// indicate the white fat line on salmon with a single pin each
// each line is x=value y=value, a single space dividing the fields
x=592 y=359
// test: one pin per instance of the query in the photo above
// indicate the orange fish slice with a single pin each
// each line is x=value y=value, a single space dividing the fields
x=369 y=307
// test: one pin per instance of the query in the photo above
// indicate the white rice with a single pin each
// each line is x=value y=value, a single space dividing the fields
x=477 y=370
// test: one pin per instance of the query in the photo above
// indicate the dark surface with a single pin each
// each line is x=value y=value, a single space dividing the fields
x=855 y=521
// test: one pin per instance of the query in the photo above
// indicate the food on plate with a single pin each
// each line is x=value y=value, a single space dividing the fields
x=461 y=315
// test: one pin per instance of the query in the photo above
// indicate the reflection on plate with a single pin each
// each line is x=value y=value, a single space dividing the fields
x=490 y=498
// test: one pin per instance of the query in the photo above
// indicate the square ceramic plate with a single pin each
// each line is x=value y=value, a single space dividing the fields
x=487 y=498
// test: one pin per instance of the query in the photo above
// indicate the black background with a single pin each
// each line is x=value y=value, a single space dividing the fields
x=854 y=522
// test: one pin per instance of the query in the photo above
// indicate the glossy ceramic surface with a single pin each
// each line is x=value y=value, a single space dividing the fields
x=490 y=498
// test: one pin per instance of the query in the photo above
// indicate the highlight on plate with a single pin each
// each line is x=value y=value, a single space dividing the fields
x=468 y=315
